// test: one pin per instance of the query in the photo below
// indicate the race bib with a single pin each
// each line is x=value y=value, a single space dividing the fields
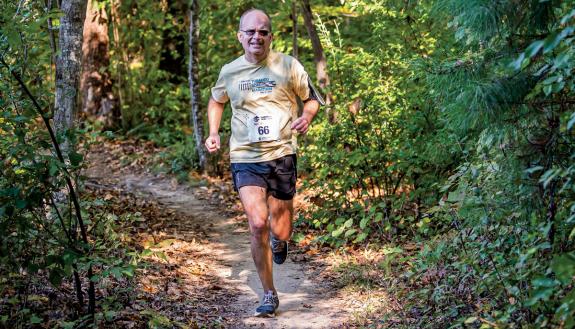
x=264 y=128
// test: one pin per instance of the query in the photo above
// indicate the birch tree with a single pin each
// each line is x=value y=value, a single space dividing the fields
x=193 y=77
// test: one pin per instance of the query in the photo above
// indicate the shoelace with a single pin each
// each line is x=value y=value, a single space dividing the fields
x=277 y=245
x=269 y=299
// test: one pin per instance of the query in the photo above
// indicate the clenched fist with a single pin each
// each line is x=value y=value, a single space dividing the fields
x=213 y=143
x=301 y=125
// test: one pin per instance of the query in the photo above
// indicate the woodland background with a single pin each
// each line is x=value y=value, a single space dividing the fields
x=449 y=127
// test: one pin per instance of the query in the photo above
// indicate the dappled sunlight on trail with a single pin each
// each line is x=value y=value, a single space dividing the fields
x=199 y=263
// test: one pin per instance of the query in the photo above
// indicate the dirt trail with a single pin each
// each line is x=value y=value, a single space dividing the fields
x=304 y=302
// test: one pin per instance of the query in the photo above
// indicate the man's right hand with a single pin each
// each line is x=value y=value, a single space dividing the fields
x=213 y=143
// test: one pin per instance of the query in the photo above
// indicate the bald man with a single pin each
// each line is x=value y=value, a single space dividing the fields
x=262 y=87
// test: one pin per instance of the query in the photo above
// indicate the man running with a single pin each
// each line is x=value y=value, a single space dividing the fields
x=262 y=87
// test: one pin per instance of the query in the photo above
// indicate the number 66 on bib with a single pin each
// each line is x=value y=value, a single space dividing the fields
x=263 y=128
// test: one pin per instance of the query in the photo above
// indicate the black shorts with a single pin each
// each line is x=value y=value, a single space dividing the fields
x=277 y=176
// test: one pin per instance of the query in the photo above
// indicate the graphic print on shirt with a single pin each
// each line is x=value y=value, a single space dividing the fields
x=261 y=85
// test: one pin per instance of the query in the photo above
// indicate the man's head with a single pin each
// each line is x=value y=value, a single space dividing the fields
x=255 y=34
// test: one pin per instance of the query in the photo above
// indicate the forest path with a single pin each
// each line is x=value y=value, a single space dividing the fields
x=305 y=301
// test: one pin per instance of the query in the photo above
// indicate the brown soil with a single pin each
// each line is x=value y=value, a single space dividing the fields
x=207 y=254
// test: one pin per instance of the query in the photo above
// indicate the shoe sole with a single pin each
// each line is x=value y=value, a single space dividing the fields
x=264 y=315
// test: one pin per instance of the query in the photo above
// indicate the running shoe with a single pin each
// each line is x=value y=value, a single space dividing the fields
x=279 y=249
x=269 y=305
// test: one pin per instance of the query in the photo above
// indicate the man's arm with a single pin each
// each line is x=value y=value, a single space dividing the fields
x=215 y=111
x=310 y=108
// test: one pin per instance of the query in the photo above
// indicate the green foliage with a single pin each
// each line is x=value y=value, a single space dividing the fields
x=463 y=140
x=179 y=159
x=511 y=247
x=451 y=124
x=40 y=237
x=385 y=148
x=151 y=97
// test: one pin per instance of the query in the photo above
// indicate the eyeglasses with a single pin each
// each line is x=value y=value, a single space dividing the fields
x=251 y=33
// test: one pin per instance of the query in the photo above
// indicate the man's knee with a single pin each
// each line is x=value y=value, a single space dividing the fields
x=259 y=226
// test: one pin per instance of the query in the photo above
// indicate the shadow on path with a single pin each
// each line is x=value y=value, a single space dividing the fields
x=303 y=302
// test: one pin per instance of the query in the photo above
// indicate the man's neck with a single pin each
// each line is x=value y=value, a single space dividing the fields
x=255 y=59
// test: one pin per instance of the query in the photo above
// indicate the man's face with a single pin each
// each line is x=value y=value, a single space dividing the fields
x=255 y=35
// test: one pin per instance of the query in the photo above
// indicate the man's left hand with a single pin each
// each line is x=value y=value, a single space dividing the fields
x=301 y=125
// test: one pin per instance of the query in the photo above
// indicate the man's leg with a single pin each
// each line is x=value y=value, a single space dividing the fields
x=281 y=217
x=256 y=208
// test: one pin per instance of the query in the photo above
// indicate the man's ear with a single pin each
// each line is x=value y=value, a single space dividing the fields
x=239 y=34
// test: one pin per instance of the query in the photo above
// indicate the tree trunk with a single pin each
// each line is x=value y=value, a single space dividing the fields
x=295 y=50
x=69 y=65
x=97 y=98
x=68 y=70
x=318 y=54
x=193 y=76
x=122 y=70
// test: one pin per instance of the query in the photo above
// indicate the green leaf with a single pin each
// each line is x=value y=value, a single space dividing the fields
x=109 y=315
x=116 y=272
x=534 y=169
x=567 y=17
x=391 y=250
x=21 y=204
x=555 y=38
x=20 y=118
x=338 y=232
x=571 y=121
x=165 y=243
x=561 y=60
x=540 y=294
x=298 y=237
x=128 y=271
x=470 y=320
x=564 y=267
x=550 y=80
x=75 y=158
x=35 y=319
x=363 y=222
x=362 y=236
x=54 y=167
x=516 y=64
x=67 y=324
x=534 y=48
x=455 y=196
x=549 y=176
x=161 y=255
x=557 y=87
x=544 y=282
x=348 y=223
x=350 y=232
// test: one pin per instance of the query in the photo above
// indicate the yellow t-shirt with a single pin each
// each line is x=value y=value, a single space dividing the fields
x=264 y=104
